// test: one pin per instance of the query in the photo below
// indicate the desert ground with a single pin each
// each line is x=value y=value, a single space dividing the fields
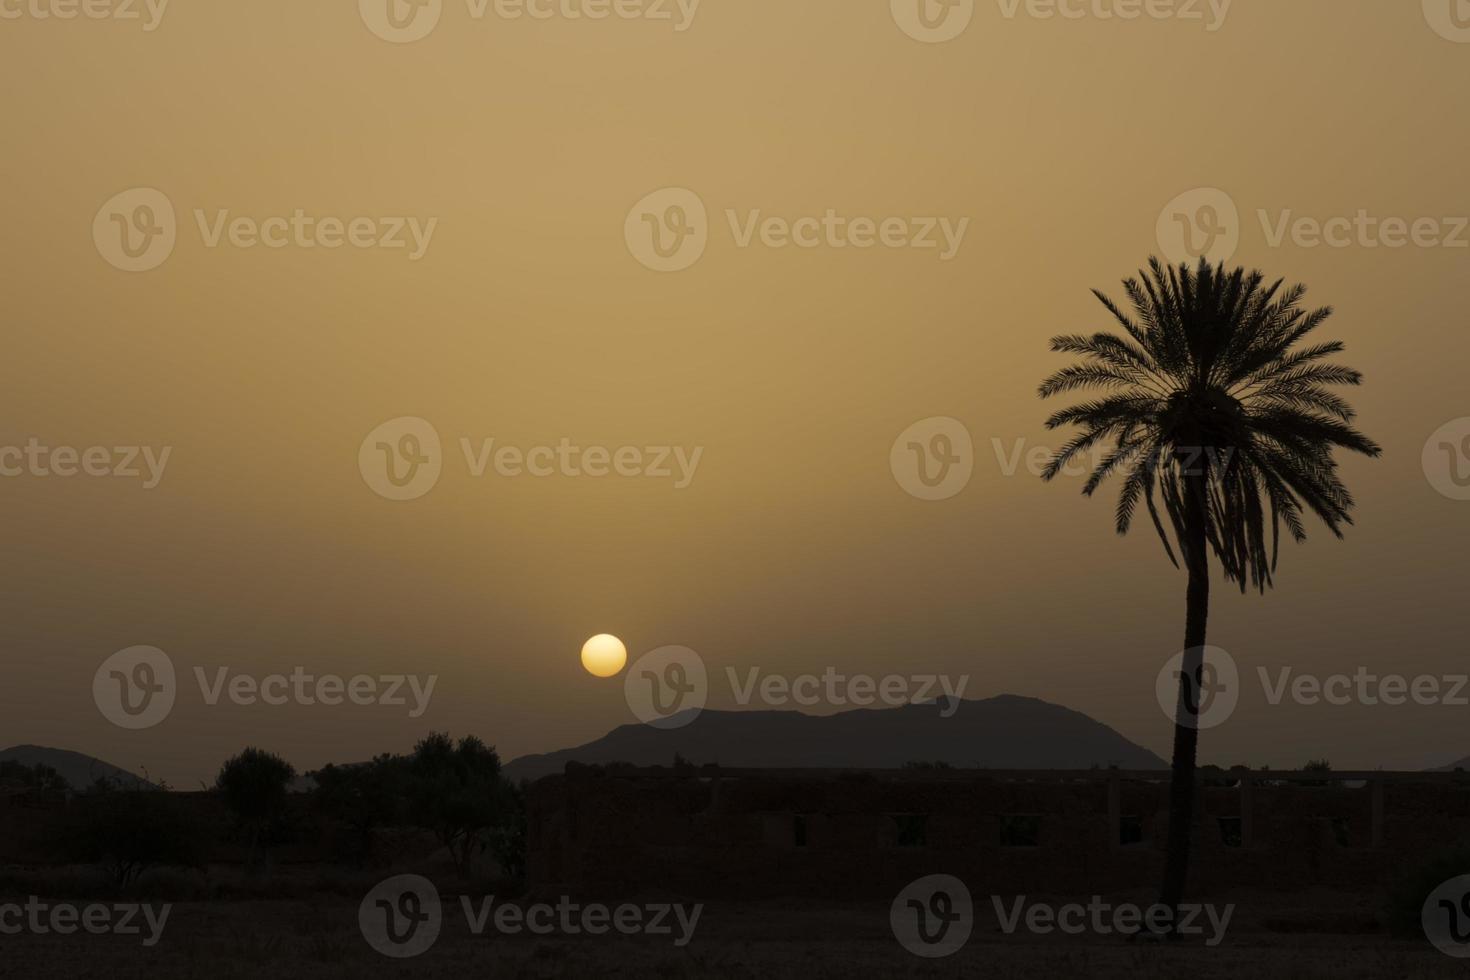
x=302 y=924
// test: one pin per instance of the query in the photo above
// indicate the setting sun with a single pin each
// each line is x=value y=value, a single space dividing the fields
x=604 y=655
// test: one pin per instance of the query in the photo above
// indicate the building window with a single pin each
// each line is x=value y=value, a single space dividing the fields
x=1130 y=830
x=1020 y=830
x=1229 y=831
x=913 y=829
x=798 y=829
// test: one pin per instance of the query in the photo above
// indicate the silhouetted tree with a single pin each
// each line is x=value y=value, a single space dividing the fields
x=507 y=838
x=1210 y=404
x=253 y=785
x=363 y=797
x=455 y=791
x=128 y=830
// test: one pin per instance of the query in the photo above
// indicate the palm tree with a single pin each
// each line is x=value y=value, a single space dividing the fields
x=1209 y=401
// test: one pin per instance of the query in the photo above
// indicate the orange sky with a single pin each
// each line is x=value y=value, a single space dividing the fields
x=526 y=318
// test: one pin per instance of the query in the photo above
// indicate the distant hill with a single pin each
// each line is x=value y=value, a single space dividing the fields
x=1462 y=764
x=80 y=771
x=1005 y=732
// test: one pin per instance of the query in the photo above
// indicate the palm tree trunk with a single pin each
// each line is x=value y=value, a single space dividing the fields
x=1186 y=728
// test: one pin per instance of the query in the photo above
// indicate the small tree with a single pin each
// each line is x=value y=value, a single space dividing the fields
x=129 y=830
x=253 y=785
x=456 y=792
x=507 y=839
x=363 y=797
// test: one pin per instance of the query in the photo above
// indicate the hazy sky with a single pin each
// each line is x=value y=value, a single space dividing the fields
x=528 y=319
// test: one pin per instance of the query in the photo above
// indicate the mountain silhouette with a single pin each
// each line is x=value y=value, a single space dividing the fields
x=1005 y=732
x=80 y=771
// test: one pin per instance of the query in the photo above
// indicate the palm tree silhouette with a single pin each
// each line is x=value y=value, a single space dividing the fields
x=1209 y=402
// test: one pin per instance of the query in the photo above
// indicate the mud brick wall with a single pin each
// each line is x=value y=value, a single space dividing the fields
x=703 y=833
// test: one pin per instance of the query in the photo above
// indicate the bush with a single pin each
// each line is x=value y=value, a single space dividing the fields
x=128 y=831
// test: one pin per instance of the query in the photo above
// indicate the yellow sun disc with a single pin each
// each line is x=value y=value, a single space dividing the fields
x=604 y=655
